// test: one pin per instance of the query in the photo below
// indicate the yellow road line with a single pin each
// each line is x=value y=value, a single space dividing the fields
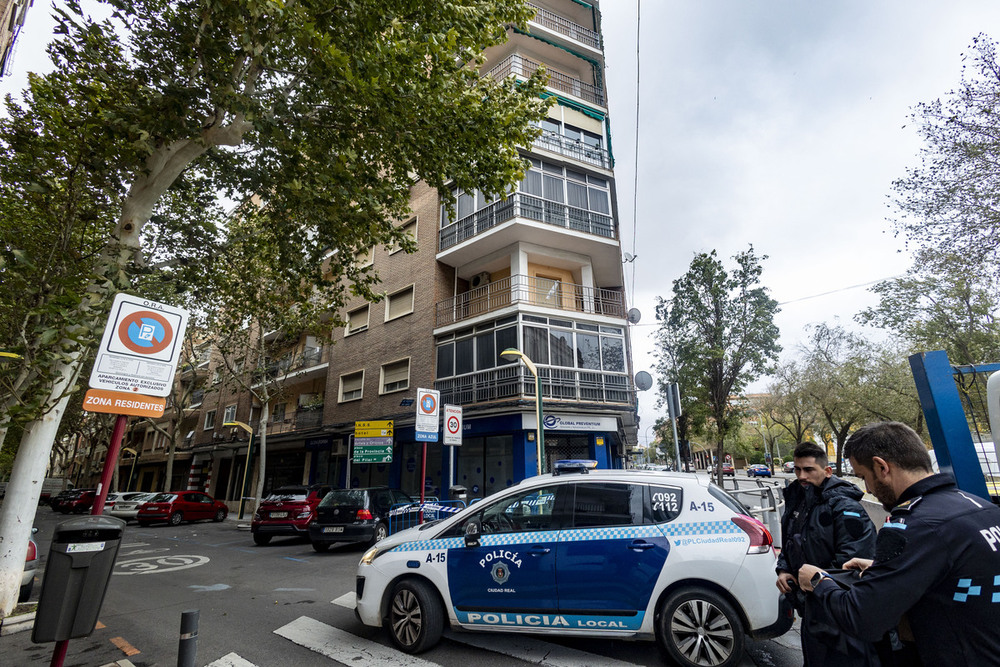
x=126 y=648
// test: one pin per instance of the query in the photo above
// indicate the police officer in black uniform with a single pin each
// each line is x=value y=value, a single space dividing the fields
x=936 y=571
x=823 y=524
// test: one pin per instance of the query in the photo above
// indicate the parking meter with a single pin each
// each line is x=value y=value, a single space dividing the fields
x=458 y=493
x=77 y=573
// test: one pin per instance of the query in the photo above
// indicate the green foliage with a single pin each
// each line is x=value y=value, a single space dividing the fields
x=950 y=203
x=942 y=303
x=716 y=335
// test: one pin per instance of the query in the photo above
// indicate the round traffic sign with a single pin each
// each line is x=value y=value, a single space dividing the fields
x=453 y=424
x=145 y=332
x=428 y=404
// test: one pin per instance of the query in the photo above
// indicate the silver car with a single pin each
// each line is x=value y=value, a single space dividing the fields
x=127 y=506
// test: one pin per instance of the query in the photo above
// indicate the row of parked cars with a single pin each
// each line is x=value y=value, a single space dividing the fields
x=145 y=508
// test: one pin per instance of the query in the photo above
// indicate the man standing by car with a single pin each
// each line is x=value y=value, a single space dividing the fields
x=823 y=523
x=937 y=558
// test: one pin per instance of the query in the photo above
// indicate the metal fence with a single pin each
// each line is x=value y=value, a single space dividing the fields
x=407 y=515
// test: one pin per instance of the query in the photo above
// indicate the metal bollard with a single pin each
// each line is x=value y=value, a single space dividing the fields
x=187 y=649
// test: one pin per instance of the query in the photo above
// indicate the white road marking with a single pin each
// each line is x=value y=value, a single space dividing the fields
x=231 y=660
x=349 y=600
x=135 y=544
x=535 y=651
x=345 y=647
x=213 y=587
x=292 y=590
x=159 y=564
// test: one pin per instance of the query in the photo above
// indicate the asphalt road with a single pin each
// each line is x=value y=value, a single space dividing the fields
x=284 y=605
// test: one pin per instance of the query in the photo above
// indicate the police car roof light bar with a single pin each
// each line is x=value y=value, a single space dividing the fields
x=580 y=466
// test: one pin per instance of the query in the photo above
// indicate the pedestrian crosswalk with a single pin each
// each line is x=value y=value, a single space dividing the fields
x=349 y=649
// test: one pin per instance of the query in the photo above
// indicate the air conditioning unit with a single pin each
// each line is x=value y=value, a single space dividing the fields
x=481 y=279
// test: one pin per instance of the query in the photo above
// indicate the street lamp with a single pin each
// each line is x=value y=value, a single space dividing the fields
x=512 y=354
x=246 y=469
x=135 y=457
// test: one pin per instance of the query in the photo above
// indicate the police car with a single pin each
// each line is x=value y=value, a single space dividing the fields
x=596 y=553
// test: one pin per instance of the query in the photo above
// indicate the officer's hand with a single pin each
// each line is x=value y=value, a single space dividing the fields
x=806 y=573
x=858 y=564
x=785 y=582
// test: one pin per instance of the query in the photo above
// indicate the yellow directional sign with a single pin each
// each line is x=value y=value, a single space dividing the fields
x=373 y=429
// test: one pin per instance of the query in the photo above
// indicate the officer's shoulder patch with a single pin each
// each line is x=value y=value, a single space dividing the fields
x=907 y=505
x=890 y=543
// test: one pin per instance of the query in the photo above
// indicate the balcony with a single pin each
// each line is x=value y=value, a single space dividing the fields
x=302 y=420
x=297 y=365
x=564 y=26
x=519 y=65
x=518 y=289
x=556 y=143
x=515 y=381
x=520 y=205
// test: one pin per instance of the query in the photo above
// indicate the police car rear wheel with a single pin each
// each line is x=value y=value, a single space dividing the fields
x=415 y=620
x=697 y=627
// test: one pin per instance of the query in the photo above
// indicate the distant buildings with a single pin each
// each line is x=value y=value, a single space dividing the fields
x=12 y=14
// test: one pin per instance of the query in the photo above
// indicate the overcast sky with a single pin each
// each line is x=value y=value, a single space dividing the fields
x=776 y=123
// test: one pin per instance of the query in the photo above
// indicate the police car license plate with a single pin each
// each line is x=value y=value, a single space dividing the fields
x=333 y=529
x=279 y=515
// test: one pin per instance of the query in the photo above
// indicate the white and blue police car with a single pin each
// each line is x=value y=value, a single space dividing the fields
x=597 y=553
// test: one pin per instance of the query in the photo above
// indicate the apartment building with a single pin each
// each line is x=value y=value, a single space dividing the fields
x=12 y=15
x=539 y=270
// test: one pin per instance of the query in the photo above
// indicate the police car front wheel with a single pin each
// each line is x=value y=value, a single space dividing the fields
x=415 y=619
x=697 y=627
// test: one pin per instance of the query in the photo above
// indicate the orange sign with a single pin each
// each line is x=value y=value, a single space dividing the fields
x=123 y=403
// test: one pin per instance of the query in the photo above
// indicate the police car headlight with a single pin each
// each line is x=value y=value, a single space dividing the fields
x=370 y=555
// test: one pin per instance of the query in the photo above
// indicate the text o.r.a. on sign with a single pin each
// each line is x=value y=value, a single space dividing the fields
x=140 y=347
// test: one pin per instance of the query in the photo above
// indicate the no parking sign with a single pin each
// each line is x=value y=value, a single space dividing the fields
x=428 y=409
x=140 y=348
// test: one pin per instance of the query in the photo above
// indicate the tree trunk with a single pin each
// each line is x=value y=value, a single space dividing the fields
x=18 y=510
x=265 y=412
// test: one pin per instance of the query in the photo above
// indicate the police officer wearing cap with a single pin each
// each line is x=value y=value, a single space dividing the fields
x=936 y=571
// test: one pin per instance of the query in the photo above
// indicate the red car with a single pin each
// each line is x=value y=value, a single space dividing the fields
x=728 y=469
x=288 y=510
x=78 y=502
x=178 y=506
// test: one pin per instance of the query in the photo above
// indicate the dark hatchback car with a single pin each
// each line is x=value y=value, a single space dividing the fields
x=354 y=515
x=288 y=510
x=180 y=506
x=77 y=501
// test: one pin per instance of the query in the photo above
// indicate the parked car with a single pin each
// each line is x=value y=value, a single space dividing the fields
x=288 y=510
x=58 y=498
x=354 y=515
x=758 y=470
x=611 y=554
x=30 y=565
x=78 y=501
x=728 y=469
x=178 y=506
x=51 y=487
x=127 y=506
x=789 y=467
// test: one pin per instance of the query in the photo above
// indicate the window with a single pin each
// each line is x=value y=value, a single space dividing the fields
x=399 y=304
x=395 y=376
x=230 y=414
x=217 y=376
x=530 y=511
x=664 y=504
x=364 y=257
x=278 y=413
x=410 y=229
x=606 y=504
x=357 y=320
x=209 y=419
x=352 y=386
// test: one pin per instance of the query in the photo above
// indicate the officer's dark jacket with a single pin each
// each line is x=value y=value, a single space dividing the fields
x=836 y=530
x=937 y=559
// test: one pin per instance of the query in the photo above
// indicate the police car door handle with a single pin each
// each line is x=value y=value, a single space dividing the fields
x=538 y=551
x=640 y=545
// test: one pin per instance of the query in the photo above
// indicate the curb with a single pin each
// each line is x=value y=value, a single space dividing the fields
x=14 y=624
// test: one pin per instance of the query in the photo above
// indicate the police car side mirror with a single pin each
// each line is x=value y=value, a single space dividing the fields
x=472 y=533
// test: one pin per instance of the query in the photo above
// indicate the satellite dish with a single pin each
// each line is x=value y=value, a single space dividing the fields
x=643 y=381
x=634 y=315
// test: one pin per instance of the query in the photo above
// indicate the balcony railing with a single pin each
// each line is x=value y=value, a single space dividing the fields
x=564 y=26
x=530 y=290
x=515 y=381
x=306 y=359
x=520 y=205
x=521 y=66
x=550 y=141
x=302 y=420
